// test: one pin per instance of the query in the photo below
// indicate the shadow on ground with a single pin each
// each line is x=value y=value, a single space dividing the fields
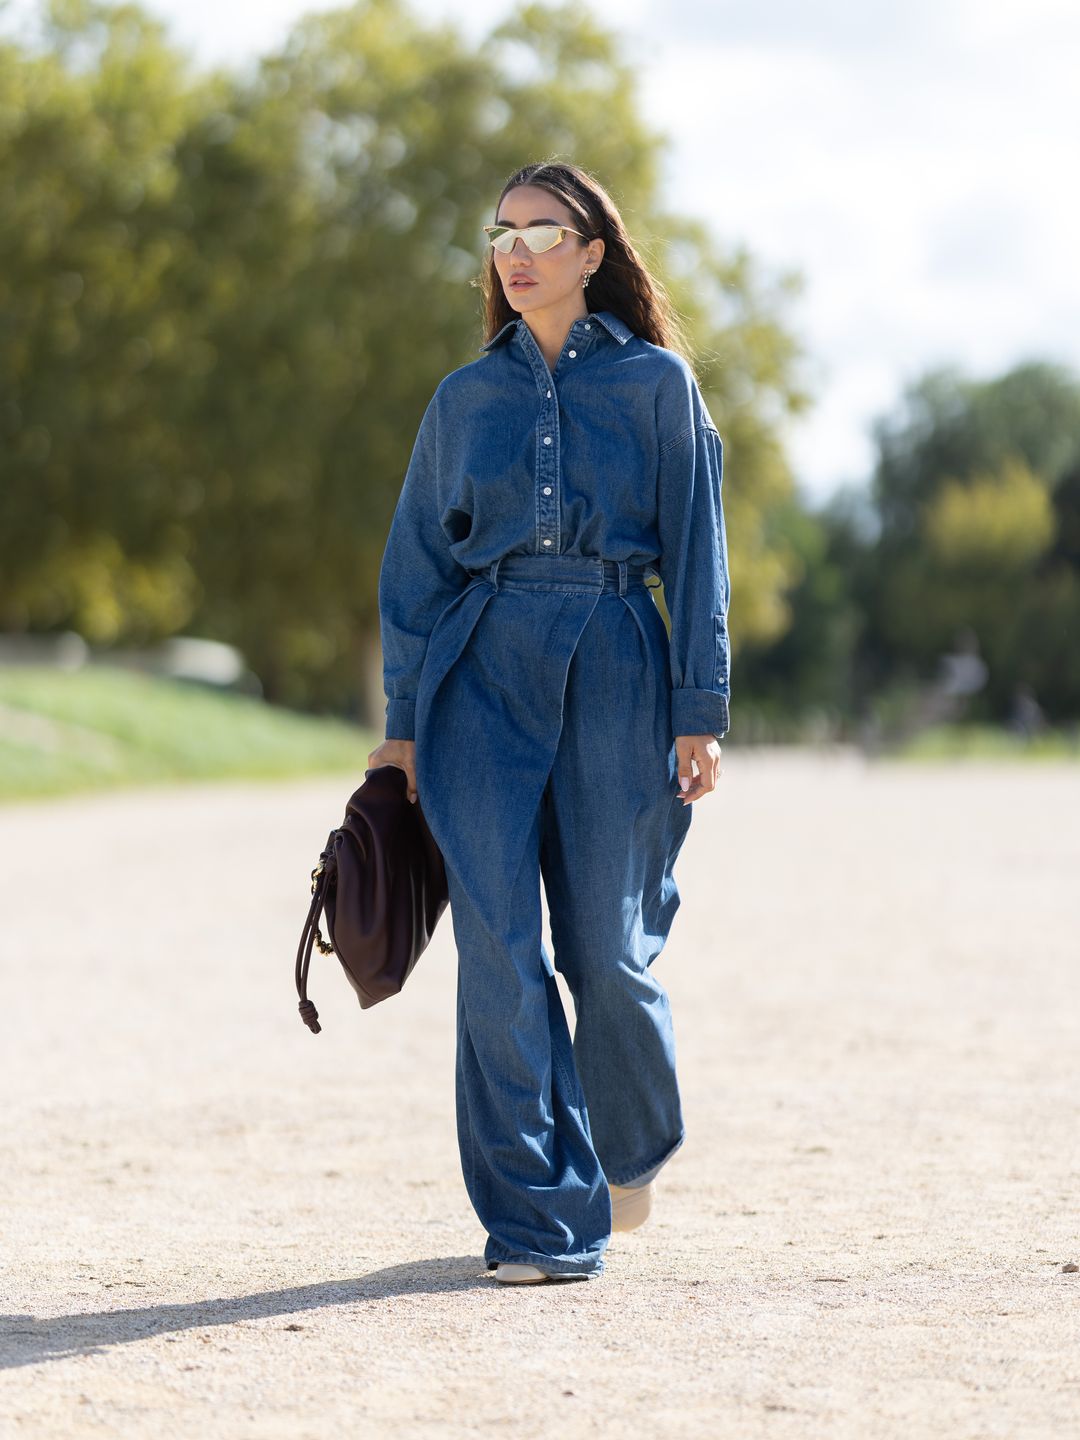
x=25 y=1340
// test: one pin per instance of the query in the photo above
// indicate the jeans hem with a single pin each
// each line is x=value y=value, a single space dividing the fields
x=547 y=1263
x=633 y=1178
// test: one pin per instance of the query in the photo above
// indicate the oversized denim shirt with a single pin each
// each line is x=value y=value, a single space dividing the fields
x=611 y=454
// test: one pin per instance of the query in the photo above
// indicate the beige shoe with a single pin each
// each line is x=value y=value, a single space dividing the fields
x=631 y=1205
x=511 y=1273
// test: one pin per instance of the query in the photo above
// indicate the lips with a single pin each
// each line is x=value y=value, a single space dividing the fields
x=521 y=284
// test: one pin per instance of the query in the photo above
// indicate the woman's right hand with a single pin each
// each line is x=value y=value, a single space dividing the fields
x=401 y=753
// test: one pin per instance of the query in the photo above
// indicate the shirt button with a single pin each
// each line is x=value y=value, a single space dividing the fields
x=547 y=439
x=547 y=542
x=547 y=489
x=549 y=394
x=573 y=353
x=588 y=327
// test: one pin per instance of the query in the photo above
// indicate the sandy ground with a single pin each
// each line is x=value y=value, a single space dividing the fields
x=216 y=1224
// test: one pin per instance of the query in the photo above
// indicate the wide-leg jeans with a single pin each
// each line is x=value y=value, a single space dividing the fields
x=545 y=754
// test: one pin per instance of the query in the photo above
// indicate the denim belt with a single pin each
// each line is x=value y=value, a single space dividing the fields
x=565 y=573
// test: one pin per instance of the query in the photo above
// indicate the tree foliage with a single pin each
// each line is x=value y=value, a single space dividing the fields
x=976 y=495
x=226 y=299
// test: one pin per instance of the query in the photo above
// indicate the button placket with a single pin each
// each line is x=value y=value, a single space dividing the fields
x=547 y=474
x=548 y=518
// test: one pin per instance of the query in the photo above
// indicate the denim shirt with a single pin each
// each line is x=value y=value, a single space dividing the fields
x=612 y=454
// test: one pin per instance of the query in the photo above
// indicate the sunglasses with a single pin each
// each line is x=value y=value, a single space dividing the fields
x=537 y=237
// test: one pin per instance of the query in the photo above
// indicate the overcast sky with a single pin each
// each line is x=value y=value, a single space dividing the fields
x=917 y=161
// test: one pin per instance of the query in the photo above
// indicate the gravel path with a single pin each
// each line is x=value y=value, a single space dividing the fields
x=217 y=1225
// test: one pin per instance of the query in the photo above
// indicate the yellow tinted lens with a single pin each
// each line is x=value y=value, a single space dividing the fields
x=542 y=237
x=502 y=237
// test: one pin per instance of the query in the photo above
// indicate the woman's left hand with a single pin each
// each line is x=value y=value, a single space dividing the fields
x=705 y=749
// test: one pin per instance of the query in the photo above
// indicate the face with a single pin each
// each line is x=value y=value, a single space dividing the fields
x=535 y=282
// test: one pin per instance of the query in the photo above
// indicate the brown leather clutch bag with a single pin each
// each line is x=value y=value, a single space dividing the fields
x=381 y=884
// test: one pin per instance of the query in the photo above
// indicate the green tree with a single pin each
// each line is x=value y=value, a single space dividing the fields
x=975 y=494
x=92 y=340
x=233 y=296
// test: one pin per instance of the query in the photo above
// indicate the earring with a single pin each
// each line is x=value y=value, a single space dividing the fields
x=587 y=277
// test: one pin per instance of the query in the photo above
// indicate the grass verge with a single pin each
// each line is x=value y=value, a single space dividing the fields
x=104 y=726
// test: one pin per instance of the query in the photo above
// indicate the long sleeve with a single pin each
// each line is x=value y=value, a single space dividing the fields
x=693 y=566
x=417 y=579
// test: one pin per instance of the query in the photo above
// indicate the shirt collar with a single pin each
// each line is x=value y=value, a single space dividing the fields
x=611 y=323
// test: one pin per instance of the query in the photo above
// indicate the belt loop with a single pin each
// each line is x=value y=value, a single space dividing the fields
x=622 y=577
x=493 y=572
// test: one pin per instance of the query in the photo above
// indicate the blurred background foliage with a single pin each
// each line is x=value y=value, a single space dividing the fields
x=225 y=300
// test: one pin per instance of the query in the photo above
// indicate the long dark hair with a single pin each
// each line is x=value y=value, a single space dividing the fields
x=622 y=282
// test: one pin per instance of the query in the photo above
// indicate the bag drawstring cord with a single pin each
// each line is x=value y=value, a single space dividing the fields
x=320 y=877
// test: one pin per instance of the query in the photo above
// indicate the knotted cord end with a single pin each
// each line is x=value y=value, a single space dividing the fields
x=310 y=1016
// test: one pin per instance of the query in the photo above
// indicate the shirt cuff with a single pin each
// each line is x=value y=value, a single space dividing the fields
x=699 y=712
x=401 y=719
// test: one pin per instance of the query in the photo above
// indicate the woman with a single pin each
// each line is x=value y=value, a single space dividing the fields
x=545 y=720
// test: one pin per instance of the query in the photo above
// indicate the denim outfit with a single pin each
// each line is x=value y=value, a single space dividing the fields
x=524 y=654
